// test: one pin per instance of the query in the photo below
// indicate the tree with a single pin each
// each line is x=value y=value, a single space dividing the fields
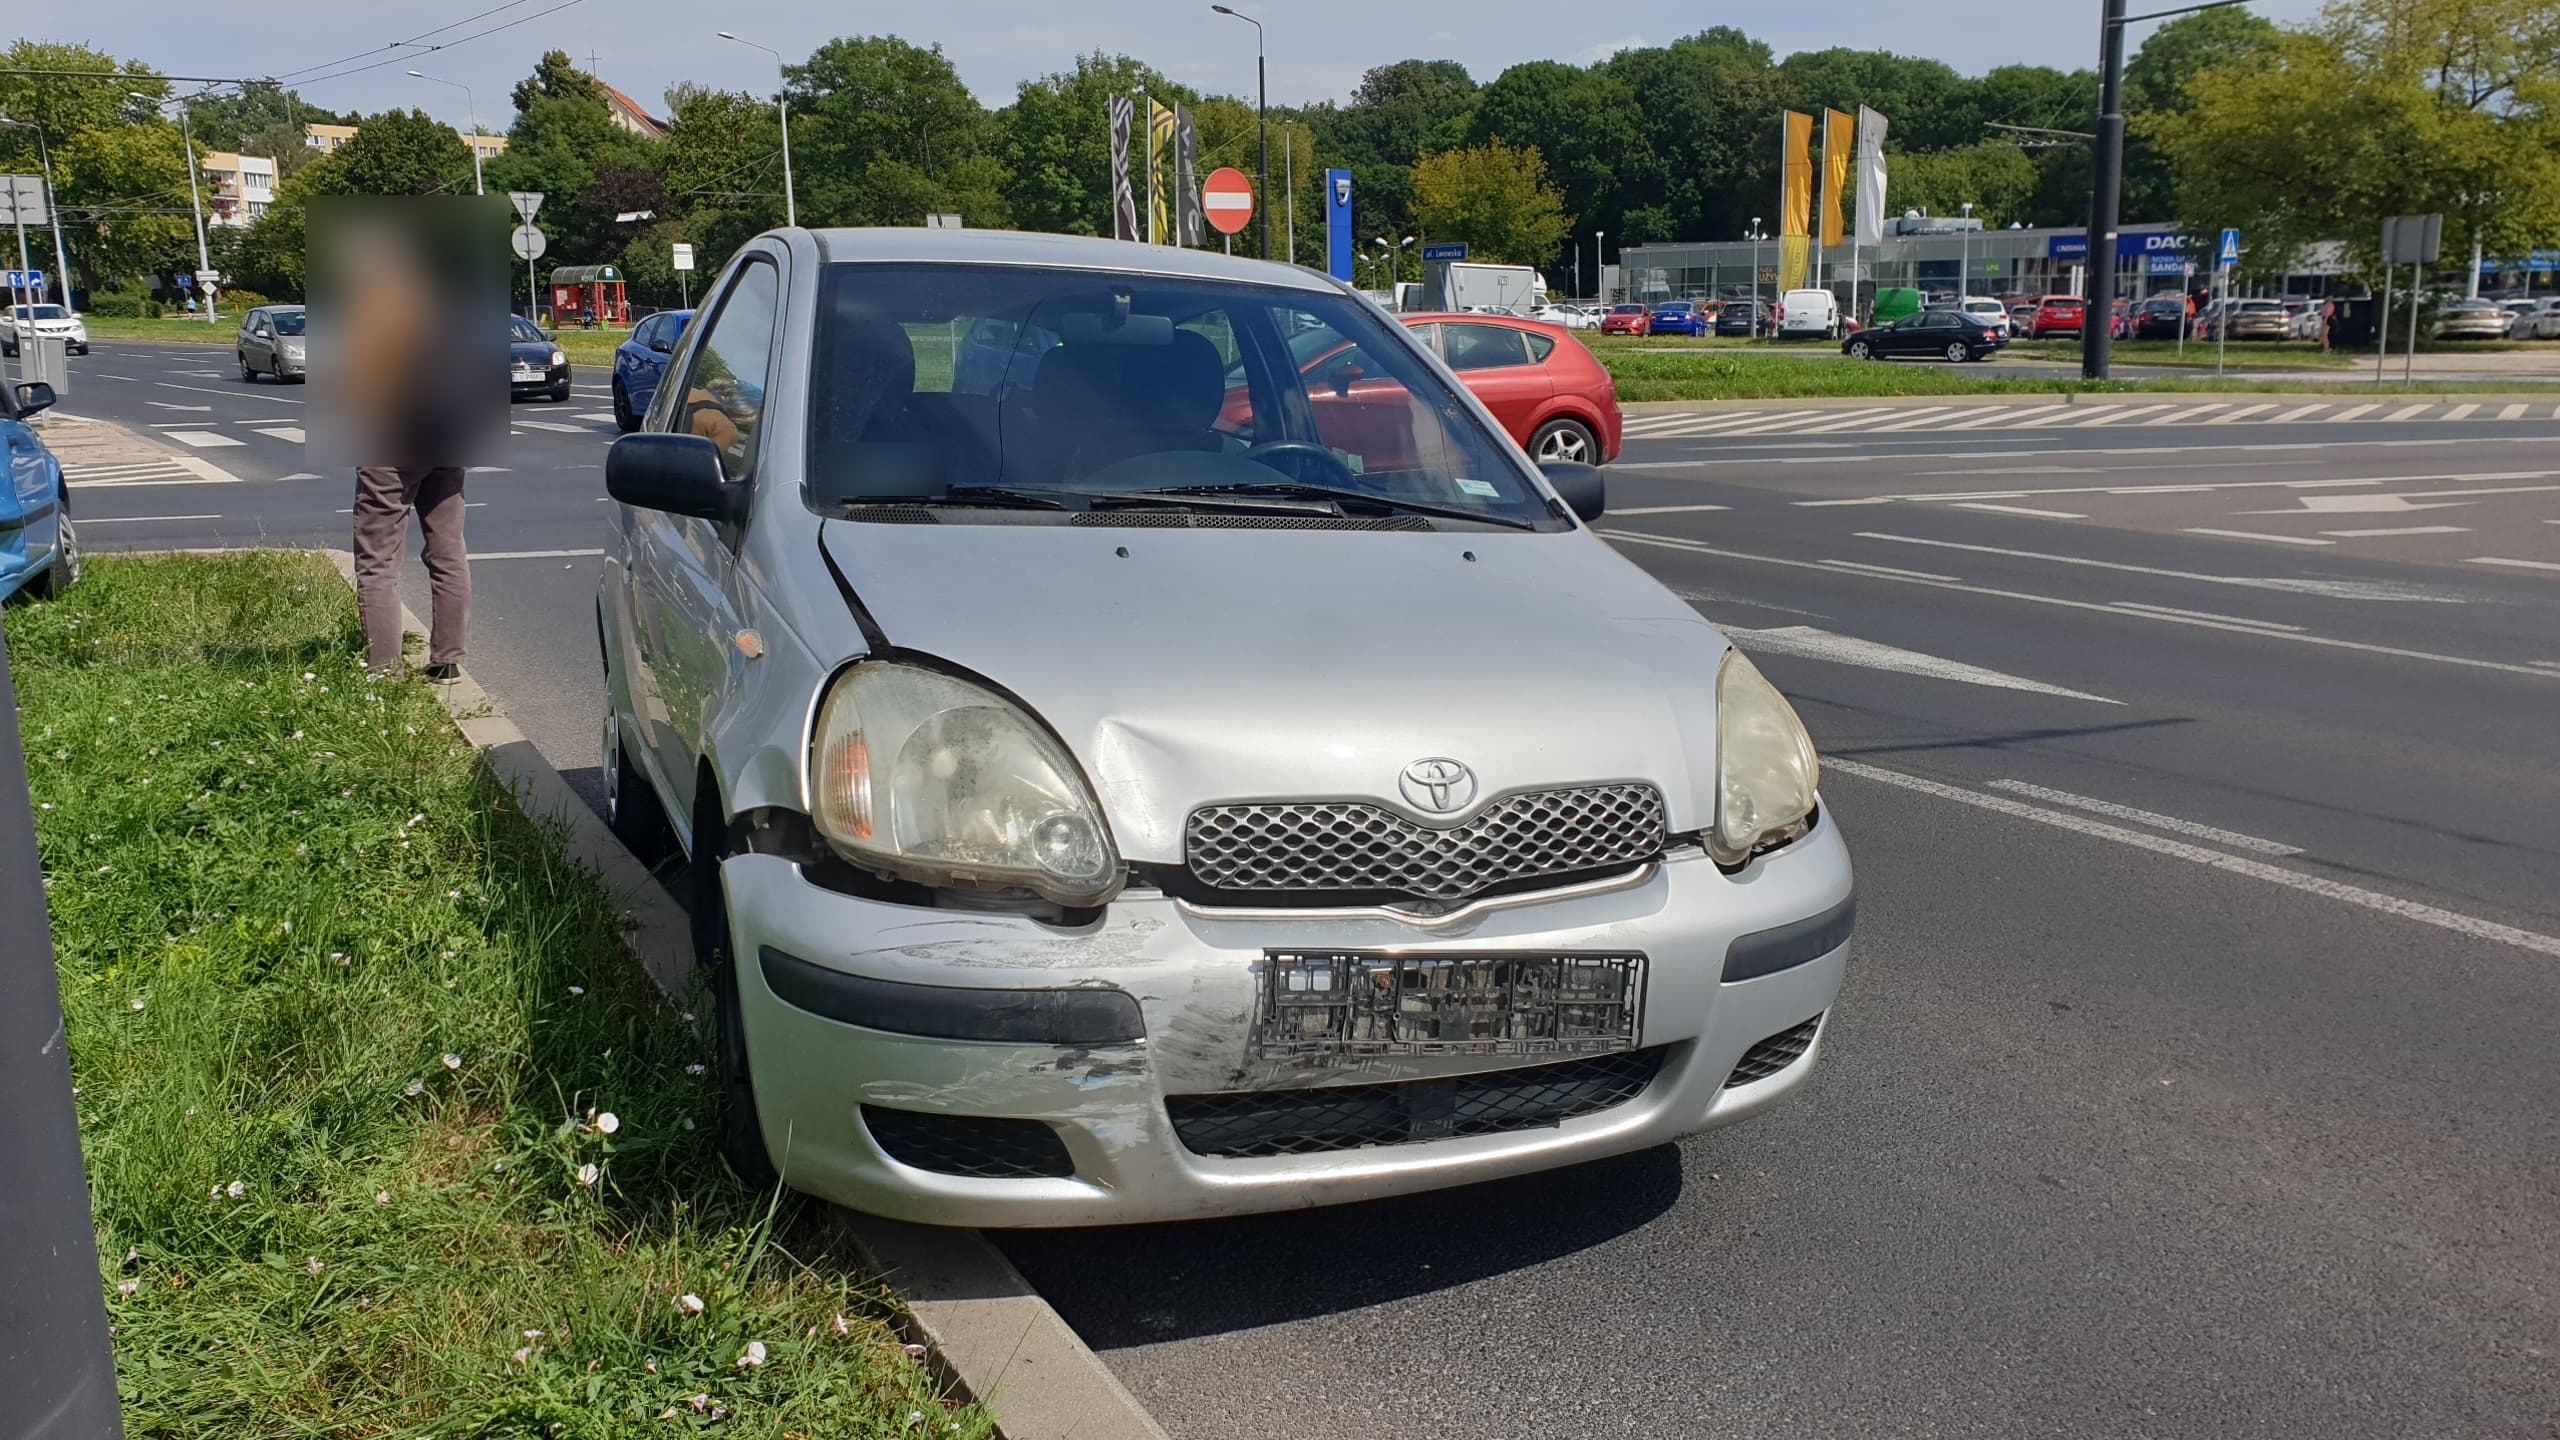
x=1997 y=178
x=888 y=133
x=129 y=181
x=564 y=143
x=1583 y=123
x=2155 y=87
x=722 y=163
x=1397 y=112
x=2386 y=107
x=1708 y=99
x=1493 y=197
x=1054 y=140
x=401 y=152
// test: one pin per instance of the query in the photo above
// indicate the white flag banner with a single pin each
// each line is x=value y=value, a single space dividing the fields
x=1871 y=128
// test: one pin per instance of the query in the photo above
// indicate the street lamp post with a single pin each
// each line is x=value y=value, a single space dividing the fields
x=1261 y=97
x=790 y=201
x=478 y=187
x=195 y=197
x=52 y=205
x=1599 y=266
x=1756 y=238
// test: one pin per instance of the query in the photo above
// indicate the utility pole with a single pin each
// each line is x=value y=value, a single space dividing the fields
x=1289 y=166
x=1261 y=101
x=52 y=203
x=782 y=100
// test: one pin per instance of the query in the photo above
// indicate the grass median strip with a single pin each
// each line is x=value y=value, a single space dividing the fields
x=386 y=1134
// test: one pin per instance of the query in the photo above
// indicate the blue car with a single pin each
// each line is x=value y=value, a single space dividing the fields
x=1678 y=317
x=38 y=552
x=641 y=361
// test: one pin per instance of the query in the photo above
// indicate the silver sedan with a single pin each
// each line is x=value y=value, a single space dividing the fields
x=1126 y=773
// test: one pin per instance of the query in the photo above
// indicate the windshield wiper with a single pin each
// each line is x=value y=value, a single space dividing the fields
x=1347 y=498
x=1215 y=497
x=973 y=497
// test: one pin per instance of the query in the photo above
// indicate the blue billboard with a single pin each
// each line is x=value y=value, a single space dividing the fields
x=1337 y=224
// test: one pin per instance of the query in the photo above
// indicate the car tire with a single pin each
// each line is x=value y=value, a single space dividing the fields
x=1957 y=354
x=277 y=374
x=739 y=1134
x=632 y=809
x=623 y=418
x=560 y=391
x=65 y=569
x=1567 y=440
x=248 y=376
x=1861 y=350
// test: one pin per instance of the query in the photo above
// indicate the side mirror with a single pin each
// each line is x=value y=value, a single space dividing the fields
x=660 y=344
x=34 y=395
x=1343 y=377
x=679 y=474
x=1581 y=487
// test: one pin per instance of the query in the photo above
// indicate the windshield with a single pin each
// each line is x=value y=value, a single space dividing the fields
x=43 y=312
x=288 y=322
x=1626 y=309
x=524 y=332
x=932 y=380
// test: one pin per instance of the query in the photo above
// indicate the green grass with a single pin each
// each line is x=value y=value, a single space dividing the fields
x=1737 y=373
x=343 y=1024
x=2239 y=354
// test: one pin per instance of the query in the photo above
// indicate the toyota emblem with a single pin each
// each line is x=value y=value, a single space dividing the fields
x=1440 y=786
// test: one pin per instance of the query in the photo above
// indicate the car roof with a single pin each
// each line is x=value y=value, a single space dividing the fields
x=1484 y=317
x=894 y=244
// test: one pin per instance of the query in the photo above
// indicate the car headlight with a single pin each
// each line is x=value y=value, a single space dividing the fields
x=559 y=358
x=1766 y=771
x=936 y=780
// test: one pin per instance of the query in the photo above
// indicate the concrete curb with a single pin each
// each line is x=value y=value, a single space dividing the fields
x=2332 y=394
x=985 y=1330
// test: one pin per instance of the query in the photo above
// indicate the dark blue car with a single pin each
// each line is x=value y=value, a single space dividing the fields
x=1678 y=317
x=641 y=361
x=38 y=553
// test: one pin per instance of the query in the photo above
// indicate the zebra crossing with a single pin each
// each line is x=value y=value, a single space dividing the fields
x=1756 y=421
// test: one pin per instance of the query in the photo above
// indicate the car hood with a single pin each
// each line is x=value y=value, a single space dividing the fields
x=1197 y=667
x=529 y=352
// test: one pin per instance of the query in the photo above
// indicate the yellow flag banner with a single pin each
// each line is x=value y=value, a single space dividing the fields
x=1837 y=130
x=1160 y=127
x=1795 y=203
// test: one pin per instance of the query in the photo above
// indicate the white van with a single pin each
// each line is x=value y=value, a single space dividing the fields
x=1803 y=313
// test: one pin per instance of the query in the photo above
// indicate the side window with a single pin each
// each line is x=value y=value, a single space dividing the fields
x=1540 y=347
x=724 y=390
x=651 y=331
x=1483 y=347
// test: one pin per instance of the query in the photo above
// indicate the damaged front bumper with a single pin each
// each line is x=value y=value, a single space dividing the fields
x=968 y=1068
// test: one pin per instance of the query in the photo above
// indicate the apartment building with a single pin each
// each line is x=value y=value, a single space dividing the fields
x=239 y=188
x=327 y=138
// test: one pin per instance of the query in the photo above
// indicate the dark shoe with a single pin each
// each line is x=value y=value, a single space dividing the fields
x=443 y=672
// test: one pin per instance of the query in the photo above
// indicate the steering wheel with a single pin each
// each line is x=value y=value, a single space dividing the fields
x=1269 y=448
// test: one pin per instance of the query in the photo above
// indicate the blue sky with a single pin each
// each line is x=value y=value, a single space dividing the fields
x=1318 y=48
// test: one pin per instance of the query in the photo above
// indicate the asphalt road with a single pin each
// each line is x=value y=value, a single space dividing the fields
x=2194 y=1075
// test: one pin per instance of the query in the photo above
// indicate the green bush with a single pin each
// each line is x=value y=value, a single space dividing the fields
x=124 y=305
x=240 y=302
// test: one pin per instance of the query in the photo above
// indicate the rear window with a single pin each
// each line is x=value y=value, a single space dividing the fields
x=1626 y=309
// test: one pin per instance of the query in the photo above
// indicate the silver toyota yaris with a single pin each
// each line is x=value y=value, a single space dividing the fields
x=1146 y=746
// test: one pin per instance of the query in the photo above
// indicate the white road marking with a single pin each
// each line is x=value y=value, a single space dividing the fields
x=2459 y=412
x=2352 y=411
x=2467 y=925
x=2407 y=411
x=201 y=439
x=1667 y=509
x=2206 y=615
x=1698 y=547
x=2358 y=505
x=601 y=417
x=2518 y=564
x=1865 y=568
x=165 y=405
x=2512 y=412
x=1827 y=504
x=2023 y=470
x=2254 y=535
x=1810 y=418
x=88 y=520
x=2012 y=413
x=299 y=475
x=2327 y=589
x=1921 y=419
x=291 y=433
x=1707 y=425
x=2068 y=412
x=2194 y=486
x=2185 y=416
x=2399 y=530
x=529 y=554
x=2018 y=510
x=2242 y=413
x=2290 y=416
x=1807 y=643
x=554 y=425
x=1840 y=420
x=2154 y=819
x=209 y=390
x=2119 y=415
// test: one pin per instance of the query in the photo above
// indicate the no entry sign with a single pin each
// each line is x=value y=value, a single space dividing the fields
x=1226 y=197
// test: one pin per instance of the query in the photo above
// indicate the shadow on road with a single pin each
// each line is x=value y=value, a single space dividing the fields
x=1147 y=1284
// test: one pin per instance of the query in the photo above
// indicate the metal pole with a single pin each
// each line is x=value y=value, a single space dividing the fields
x=1261 y=95
x=1289 y=165
x=18 y=296
x=2105 y=191
x=1964 y=257
x=54 y=1330
x=2382 y=327
x=1755 y=277
x=53 y=207
x=1600 y=265
x=790 y=195
x=2417 y=284
x=2222 y=327
x=204 y=257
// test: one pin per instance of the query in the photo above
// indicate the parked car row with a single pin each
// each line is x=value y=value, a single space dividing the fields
x=1951 y=335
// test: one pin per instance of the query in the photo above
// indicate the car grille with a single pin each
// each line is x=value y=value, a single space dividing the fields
x=983 y=1147
x=1774 y=1054
x=1354 y=1117
x=1327 y=846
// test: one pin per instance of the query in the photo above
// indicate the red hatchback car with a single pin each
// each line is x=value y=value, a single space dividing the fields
x=1549 y=391
x=2058 y=315
x=1627 y=320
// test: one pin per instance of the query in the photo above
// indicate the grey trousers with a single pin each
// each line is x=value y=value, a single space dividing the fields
x=384 y=498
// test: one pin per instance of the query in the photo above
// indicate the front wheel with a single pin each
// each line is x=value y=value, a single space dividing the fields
x=1861 y=350
x=248 y=375
x=740 y=1135
x=1957 y=354
x=1568 y=440
x=632 y=809
x=57 y=577
x=623 y=418
x=560 y=391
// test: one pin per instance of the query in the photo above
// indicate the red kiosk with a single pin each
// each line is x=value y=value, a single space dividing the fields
x=587 y=296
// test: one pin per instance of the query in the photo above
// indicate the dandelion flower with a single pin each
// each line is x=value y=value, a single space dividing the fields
x=577 y=990
x=523 y=1354
x=307 y=675
x=608 y=1122
x=235 y=1189
x=752 y=1356
x=699 y=1402
x=315 y=1264
x=587 y=1173
x=452 y=1061
x=381 y=1197
x=689 y=1303
x=127 y=1287
x=137 y=1002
